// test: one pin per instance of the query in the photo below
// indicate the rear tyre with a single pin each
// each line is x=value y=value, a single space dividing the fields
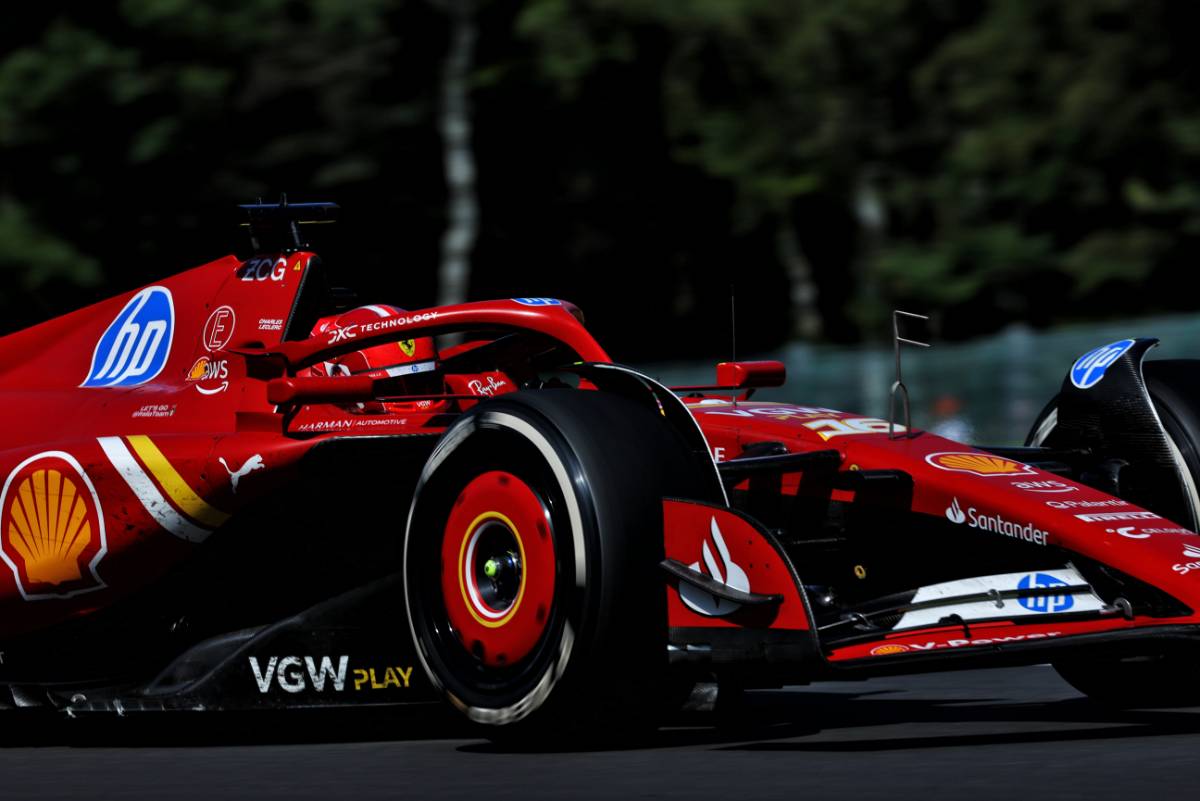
x=531 y=578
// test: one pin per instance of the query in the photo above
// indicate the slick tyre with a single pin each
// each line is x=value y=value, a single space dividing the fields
x=1157 y=681
x=531 y=562
x=1160 y=681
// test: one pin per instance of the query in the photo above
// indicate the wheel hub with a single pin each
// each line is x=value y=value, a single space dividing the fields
x=498 y=568
x=493 y=577
x=501 y=580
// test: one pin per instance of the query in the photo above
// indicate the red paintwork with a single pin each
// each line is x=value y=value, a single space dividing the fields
x=751 y=374
x=689 y=529
x=556 y=322
x=983 y=635
x=46 y=410
x=507 y=635
x=194 y=414
x=162 y=456
x=1155 y=556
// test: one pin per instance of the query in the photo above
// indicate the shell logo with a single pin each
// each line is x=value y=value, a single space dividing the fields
x=888 y=650
x=979 y=464
x=51 y=527
x=198 y=369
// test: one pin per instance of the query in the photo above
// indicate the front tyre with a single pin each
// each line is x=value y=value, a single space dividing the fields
x=531 y=557
x=1174 y=390
x=1164 y=680
x=1157 y=681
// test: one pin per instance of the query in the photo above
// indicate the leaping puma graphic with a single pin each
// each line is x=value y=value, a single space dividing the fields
x=255 y=462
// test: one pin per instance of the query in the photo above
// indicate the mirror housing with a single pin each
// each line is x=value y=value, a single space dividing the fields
x=320 y=389
x=751 y=375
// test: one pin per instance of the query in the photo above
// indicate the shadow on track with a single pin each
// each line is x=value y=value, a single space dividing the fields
x=767 y=721
x=1051 y=721
x=192 y=729
x=776 y=720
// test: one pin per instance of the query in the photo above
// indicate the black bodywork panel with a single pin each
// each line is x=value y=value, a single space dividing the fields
x=1115 y=420
x=308 y=574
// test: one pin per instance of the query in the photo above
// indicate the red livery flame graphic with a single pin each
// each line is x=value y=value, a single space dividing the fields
x=726 y=571
x=51 y=527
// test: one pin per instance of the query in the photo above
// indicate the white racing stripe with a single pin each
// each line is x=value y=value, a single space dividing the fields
x=153 y=500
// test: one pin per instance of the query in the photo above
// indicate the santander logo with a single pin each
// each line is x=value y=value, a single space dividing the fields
x=996 y=523
x=1189 y=552
x=720 y=567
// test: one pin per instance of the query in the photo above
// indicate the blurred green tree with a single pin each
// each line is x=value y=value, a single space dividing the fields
x=994 y=159
x=998 y=160
x=128 y=133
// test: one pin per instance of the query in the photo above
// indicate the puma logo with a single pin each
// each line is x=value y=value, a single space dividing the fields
x=255 y=462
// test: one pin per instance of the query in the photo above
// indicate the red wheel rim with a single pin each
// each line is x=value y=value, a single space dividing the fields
x=498 y=568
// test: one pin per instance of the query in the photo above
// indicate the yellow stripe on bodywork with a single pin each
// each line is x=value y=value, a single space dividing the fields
x=168 y=477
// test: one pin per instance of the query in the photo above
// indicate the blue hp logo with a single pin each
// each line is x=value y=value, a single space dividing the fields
x=1089 y=368
x=135 y=346
x=538 y=301
x=1044 y=603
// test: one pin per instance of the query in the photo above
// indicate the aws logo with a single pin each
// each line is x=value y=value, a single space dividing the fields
x=209 y=375
x=51 y=528
x=135 y=346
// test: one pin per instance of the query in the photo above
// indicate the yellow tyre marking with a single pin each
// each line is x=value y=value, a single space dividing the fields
x=462 y=569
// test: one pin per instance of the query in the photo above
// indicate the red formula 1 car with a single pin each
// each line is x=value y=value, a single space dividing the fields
x=235 y=489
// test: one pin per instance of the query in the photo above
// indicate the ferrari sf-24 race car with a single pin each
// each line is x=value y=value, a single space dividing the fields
x=238 y=489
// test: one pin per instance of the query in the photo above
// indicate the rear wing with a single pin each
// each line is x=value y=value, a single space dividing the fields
x=283 y=227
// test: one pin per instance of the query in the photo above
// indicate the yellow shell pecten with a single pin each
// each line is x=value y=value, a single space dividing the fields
x=197 y=371
x=979 y=463
x=49 y=527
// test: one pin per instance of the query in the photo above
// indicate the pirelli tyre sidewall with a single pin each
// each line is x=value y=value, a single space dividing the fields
x=599 y=465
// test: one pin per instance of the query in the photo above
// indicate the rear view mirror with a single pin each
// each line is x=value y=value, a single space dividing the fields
x=751 y=375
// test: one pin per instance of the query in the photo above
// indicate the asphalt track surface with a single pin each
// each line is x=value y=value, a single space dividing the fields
x=1016 y=733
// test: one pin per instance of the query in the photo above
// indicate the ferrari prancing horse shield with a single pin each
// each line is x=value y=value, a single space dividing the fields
x=51 y=527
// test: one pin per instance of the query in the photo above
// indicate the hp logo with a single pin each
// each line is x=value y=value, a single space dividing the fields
x=1089 y=368
x=135 y=346
x=1044 y=603
x=538 y=301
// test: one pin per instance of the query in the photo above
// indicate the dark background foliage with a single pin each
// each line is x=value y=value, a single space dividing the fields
x=989 y=161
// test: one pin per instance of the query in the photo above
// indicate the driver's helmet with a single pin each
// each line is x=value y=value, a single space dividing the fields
x=414 y=361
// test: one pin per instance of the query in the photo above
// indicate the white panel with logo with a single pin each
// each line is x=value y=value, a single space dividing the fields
x=998 y=607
